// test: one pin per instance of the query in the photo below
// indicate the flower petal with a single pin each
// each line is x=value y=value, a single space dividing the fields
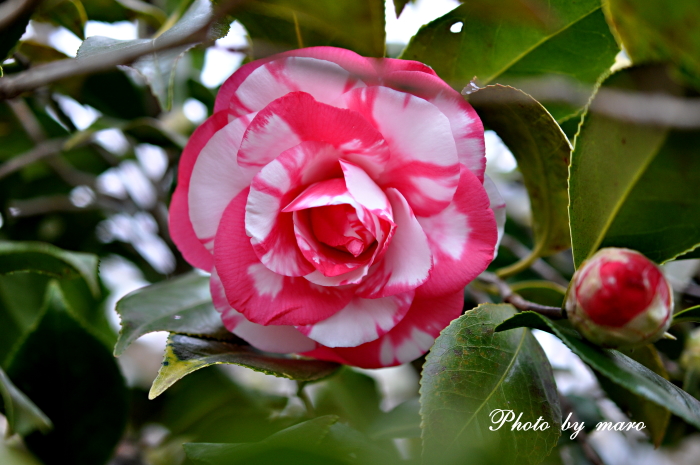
x=462 y=238
x=409 y=339
x=179 y=223
x=228 y=98
x=217 y=179
x=407 y=261
x=262 y=296
x=467 y=128
x=498 y=205
x=361 y=321
x=273 y=338
x=423 y=164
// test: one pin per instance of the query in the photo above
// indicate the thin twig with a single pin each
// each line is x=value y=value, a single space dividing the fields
x=517 y=301
x=42 y=75
x=304 y=396
x=539 y=266
x=13 y=10
x=40 y=151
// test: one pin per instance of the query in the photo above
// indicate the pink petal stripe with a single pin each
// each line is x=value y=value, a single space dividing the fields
x=179 y=223
x=361 y=321
x=277 y=339
x=217 y=178
x=297 y=117
x=408 y=340
x=467 y=128
x=424 y=165
x=407 y=262
x=385 y=66
x=498 y=205
x=462 y=238
x=359 y=68
x=262 y=296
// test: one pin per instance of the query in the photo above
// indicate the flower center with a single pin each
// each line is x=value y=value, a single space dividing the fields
x=339 y=227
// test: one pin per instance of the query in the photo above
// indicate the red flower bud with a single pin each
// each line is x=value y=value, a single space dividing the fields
x=619 y=298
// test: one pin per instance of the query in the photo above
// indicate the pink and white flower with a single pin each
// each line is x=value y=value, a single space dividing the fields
x=339 y=203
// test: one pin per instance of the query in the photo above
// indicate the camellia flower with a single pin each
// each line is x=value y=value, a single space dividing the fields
x=339 y=203
x=619 y=298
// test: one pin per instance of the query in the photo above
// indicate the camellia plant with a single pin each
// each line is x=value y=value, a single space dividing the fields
x=476 y=246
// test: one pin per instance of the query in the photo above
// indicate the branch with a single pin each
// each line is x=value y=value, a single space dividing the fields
x=42 y=75
x=42 y=150
x=12 y=10
x=508 y=296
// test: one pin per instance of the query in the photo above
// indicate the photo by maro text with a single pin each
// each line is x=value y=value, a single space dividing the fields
x=500 y=418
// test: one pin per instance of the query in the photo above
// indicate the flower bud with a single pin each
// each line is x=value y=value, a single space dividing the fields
x=619 y=298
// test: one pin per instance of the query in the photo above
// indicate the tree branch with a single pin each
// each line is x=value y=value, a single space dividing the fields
x=40 y=151
x=12 y=10
x=42 y=75
x=517 y=301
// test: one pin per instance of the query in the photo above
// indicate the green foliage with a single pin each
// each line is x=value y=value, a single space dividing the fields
x=279 y=25
x=617 y=367
x=71 y=376
x=471 y=371
x=570 y=40
x=541 y=292
x=403 y=421
x=627 y=179
x=542 y=151
x=185 y=354
x=181 y=305
x=22 y=415
x=159 y=68
x=67 y=13
x=689 y=314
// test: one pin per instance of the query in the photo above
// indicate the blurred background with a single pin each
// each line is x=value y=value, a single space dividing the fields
x=88 y=164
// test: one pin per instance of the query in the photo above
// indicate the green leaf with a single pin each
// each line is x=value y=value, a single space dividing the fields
x=49 y=260
x=541 y=292
x=575 y=43
x=67 y=13
x=181 y=305
x=306 y=436
x=637 y=408
x=23 y=416
x=403 y=421
x=278 y=25
x=13 y=453
x=21 y=305
x=469 y=373
x=542 y=151
x=351 y=395
x=617 y=367
x=185 y=354
x=652 y=37
x=159 y=68
x=633 y=185
x=689 y=314
x=399 y=5
x=71 y=376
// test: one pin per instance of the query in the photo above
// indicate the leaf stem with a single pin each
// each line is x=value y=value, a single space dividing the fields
x=304 y=396
x=521 y=265
x=508 y=296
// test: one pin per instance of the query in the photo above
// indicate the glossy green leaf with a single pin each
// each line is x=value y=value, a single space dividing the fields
x=502 y=50
x=472 y=371
x=278 y=25
x=13 y=453
x=152 y=15
x=22 y=415
x=542 y=151
x=181 y=305
x=633 y=185
x=21 y=304
x=67 y=13
x=689 y=314
x=49 y=260
x=617 y=367
x=651 y=37
x=185 y=354
x=321 y=441
x=73 y=378
x=403 y=421
x=351 y=395
x=159 y=68
x=637 y=408
x=305 y=436
x=541 y=292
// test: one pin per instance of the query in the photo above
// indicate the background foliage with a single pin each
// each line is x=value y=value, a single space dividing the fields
x=596 y=103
